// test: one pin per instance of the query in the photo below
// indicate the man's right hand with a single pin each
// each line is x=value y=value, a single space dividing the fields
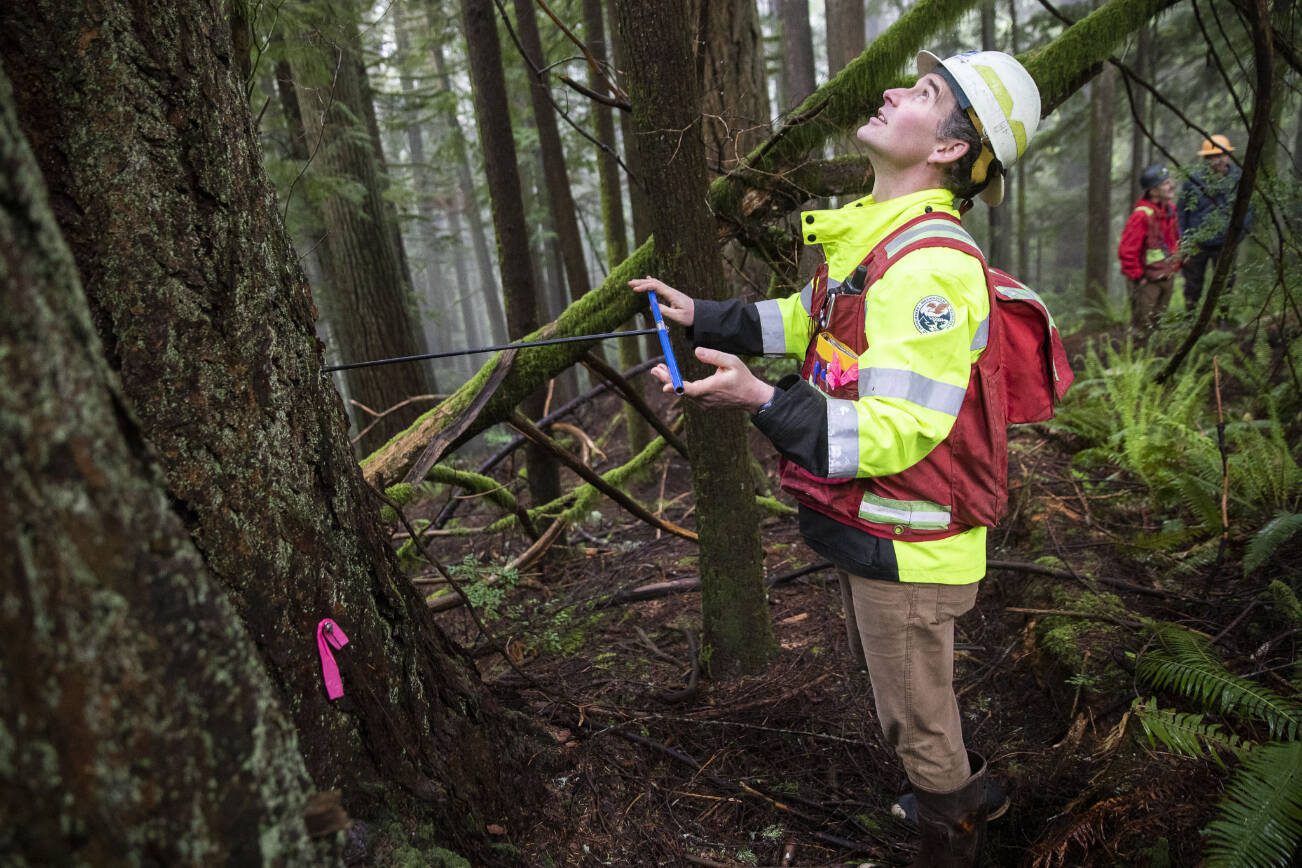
x=674 y=305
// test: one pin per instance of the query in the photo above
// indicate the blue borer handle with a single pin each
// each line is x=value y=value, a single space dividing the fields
x=663 y=331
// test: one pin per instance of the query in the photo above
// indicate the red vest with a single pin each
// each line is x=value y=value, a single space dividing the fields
x=963 y=482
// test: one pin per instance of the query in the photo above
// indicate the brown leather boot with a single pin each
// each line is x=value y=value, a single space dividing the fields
x=953 y=824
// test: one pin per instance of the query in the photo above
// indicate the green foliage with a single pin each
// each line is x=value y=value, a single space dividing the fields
x=1183 y=662
x=1260 y=821
x=1266 y=541
x=1260 y=818
x=1186 y=734
x=485 y=586
x=1164 y=434
x=1286 y=601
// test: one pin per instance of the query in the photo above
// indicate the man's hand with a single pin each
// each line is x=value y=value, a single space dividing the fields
x=674 y=305
x=731 y=385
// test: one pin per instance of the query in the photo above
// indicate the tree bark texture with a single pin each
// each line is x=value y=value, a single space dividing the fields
x=118 y=648
x=560 y=201
x=797 y=53
x=375 y=314
x=845 y=33
x=519 y=286
x=666 y=115
x=1099 y=253
x=735 y=109
x=144 y=136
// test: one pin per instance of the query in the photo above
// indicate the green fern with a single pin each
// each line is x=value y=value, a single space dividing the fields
x=1183 y=662
x=1186 y=734
x=1260 y=821
x=1266 y=541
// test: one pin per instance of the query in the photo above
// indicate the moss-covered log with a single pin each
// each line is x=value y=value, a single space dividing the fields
x=120 y=734
x=138 y=119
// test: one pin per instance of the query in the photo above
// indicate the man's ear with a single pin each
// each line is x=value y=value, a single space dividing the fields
x=947 y=151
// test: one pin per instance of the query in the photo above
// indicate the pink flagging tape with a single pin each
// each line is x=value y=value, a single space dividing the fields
x=328 y=634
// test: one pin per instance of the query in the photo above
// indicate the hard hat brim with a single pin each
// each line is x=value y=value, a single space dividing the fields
x=1213 y=151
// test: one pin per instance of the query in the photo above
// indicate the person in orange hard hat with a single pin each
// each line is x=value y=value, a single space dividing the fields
x=1204 y=214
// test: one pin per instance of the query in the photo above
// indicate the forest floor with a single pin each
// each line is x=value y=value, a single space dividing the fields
x=788 y=767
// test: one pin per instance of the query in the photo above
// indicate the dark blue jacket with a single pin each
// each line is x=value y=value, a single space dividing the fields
x=1204 y=206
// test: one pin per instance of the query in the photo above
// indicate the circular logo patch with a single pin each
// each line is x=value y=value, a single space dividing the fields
x=933 y=314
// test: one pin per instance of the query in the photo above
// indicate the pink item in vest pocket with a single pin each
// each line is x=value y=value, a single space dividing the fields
x=329 y=634
x=838 y=376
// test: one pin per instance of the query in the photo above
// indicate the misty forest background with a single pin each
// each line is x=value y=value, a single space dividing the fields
x=203 y=203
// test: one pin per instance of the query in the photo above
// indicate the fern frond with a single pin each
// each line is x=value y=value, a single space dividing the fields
x=1183 y=662
x=1269 y=538
x=1260 y=820
x=1187 y=734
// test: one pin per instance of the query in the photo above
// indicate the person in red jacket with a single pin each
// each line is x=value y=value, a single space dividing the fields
x=1147 y=249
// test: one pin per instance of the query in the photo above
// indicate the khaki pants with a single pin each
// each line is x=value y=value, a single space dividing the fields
x=1149 y=299
x=907 y=631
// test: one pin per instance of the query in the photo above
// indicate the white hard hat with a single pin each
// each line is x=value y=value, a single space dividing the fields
x=1001 y=94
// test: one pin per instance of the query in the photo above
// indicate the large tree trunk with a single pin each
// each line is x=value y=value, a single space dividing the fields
x=559 y=199
x=735 y=108
x=469 y=206
x=1098 y=212
x=612 y=206
x=666 y=112
x=797 y=53
x=521 y=296
x=144 y=136
x=118 y=649
x=845 y=33
x=371 y=295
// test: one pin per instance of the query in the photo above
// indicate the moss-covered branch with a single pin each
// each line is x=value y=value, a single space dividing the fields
x=603 y=309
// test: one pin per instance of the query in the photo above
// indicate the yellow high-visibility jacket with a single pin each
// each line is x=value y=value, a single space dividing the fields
x=912 y=378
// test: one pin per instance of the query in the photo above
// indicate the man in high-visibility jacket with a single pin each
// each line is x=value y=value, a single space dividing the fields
x=890 y=439
x=1148 y=248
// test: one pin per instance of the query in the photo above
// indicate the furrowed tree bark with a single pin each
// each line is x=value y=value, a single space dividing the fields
x=666 y=114
x=113 y=749
x=371 y=296
x=745 y=200
x=141 y=128
x=520 y=292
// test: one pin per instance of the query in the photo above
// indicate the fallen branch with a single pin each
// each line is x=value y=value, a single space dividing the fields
x=528 y=429
x=1071 y=613
x=442 y=441
x=595 y=364
x=531 y=555
x=546 y=421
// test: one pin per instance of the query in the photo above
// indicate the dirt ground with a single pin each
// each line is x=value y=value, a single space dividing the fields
x=661 y=767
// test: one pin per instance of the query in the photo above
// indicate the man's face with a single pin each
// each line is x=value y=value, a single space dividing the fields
x=1163 y=193
x=1220 y=163
x=903 y=132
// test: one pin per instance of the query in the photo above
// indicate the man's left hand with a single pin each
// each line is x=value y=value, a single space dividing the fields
x=732 y=385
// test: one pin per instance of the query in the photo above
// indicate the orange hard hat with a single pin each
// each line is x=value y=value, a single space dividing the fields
x=1217 y=144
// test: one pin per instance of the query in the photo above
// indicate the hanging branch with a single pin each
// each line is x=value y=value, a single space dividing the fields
x=592 y=61
x=1263 y=57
